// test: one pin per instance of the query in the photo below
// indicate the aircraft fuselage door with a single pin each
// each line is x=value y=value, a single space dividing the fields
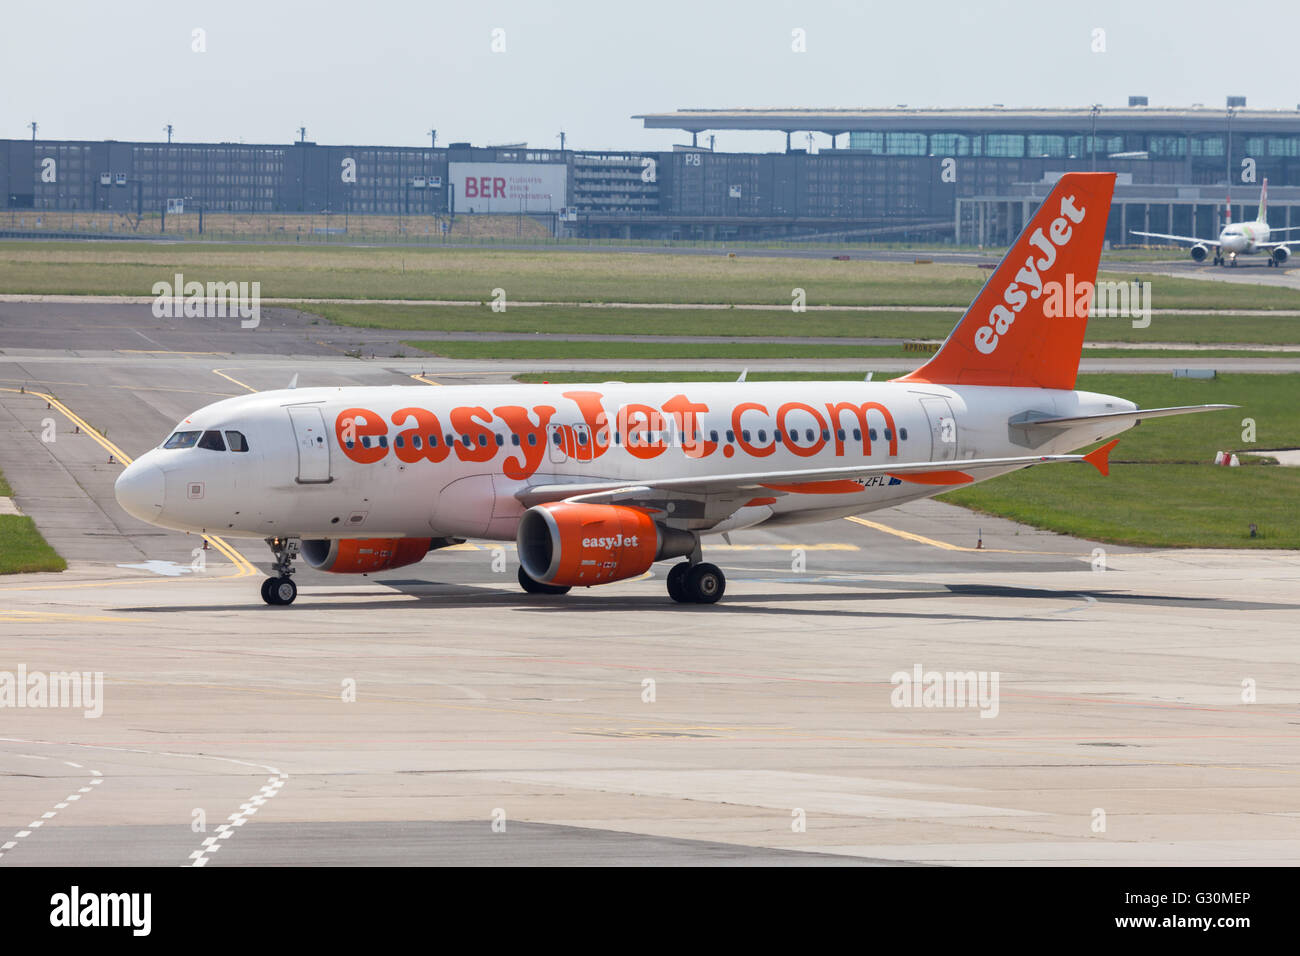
x=943 y=429
x=313 y=444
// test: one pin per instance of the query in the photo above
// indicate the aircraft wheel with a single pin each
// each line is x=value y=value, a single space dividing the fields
x=677 y=582
x=537 y=587
x=279 y=591
x=705 y=583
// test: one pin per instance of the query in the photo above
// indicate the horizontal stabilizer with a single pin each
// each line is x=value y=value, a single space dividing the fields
x=1137 y=414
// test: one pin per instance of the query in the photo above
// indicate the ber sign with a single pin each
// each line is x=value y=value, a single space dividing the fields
x=499 y=187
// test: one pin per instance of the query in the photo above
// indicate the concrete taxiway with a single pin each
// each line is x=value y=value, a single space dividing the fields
x=1145 y=708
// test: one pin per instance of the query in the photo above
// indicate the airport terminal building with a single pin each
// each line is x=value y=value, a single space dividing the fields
x=966 y=175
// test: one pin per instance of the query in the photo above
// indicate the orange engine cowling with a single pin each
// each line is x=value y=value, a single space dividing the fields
x=363 y=555
x=577 y=545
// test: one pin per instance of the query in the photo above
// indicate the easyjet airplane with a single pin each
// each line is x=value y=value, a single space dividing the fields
x=596 y=483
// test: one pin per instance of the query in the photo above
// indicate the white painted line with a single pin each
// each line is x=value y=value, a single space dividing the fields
x=49 y=814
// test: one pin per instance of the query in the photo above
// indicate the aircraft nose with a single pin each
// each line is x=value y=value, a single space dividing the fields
x=139 y=490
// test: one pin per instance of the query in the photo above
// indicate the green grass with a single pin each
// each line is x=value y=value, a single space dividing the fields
x=1147 y=505
x=574 y=320
x=1198 y=329
x=289 y=271
x=1163 y=489
x=566 y=349
x=23 y=550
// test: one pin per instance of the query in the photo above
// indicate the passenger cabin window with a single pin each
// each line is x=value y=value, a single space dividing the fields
x=902 y=433
x=235 y=441
x=182 y=440
x=212 y=441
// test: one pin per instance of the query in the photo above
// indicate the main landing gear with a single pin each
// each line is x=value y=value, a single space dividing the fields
x=280 y=589
x=700 y=583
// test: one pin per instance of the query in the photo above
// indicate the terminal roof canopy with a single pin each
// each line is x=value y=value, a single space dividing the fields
x=1144 y=118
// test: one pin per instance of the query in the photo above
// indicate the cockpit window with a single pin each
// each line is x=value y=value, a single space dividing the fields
x=236 y=441
x=212 y=441
x=182 y=440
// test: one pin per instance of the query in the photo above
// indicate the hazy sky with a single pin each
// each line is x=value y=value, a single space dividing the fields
x=386 y=71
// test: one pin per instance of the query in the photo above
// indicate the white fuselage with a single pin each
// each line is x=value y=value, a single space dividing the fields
x=345 y=462
x=1243 y=238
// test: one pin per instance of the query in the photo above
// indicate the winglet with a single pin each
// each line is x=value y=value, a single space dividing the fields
x=1099 y=458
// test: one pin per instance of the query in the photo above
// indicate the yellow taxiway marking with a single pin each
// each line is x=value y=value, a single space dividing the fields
x=18 y=614
x=936 y=543
x=920 y=539
x=419 y=377
x=243 y=567
x=229 y=378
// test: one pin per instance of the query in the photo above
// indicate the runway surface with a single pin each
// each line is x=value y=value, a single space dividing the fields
x=1146 y=707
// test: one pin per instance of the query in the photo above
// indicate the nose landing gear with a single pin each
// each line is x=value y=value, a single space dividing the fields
x=280 y=589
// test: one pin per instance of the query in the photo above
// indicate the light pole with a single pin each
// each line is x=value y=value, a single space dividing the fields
x=168 y=128
x=1092 y=137
x=33 y=124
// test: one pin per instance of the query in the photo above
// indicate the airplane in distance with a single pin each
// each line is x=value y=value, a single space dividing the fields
x=1238 y=238
x=596 y=483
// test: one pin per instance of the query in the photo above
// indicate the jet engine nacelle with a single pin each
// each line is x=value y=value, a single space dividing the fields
x=1199 y=252
x=572 y=544
x=1280 y=255
x=363 y=555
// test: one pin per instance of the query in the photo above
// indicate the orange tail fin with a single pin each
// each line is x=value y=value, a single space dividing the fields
x=1025 y=328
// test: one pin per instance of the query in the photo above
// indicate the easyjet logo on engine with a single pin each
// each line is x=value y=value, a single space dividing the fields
x=474 y=434
x=610 y=543
x=1028 y=281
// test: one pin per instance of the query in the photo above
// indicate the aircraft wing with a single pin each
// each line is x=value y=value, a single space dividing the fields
x=1162 y=235
x=839 y=480
x=1274 y=245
